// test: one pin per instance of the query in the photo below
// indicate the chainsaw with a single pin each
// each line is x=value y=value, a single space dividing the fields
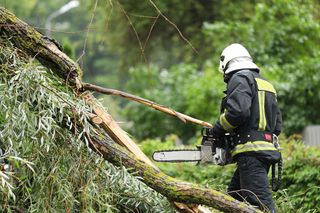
x=211 y=151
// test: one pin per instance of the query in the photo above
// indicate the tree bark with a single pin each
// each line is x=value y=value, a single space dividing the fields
x=42 y=48
x=33 y=43
x=172 y=188
x=107 y=123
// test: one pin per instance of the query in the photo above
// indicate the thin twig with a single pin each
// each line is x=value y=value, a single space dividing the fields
x=251 y=192
x=142 y=16
x=57 y=94
x=88 y=31
x=108 y=17
x=174 y=25
x=150 y=31
x=134 y=30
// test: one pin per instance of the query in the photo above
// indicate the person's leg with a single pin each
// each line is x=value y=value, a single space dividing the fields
x=234 y=186
x=254 y=182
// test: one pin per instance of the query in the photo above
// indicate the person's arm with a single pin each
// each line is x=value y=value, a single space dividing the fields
x=238 y=104
x=278 y=127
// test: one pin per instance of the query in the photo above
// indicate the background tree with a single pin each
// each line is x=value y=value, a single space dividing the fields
x=284 y=49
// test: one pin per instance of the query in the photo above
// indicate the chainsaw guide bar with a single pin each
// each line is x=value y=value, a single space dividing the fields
x=177 y=156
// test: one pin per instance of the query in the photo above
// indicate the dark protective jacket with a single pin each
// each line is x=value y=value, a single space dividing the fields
x=250 y=111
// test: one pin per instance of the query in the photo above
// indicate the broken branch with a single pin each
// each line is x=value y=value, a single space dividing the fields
x=161 y=108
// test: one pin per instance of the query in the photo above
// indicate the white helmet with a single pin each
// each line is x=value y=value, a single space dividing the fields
x=235 y=57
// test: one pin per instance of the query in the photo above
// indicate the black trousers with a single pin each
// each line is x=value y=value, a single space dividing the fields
x=250 y=183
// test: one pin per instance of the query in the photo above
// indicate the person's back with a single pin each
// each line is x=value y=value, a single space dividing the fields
x=249 y=111
x=251 y=107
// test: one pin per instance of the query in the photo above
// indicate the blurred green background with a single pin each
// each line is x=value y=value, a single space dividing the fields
x=127 y=45
x=172 y=58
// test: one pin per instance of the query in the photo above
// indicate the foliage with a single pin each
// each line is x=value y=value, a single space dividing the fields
x=284 y=49
x=301 y=177
x=183 y=88
x=87 y=42
x=119 y=38
x=162 y=42
x=300 y=180
x=52 y=169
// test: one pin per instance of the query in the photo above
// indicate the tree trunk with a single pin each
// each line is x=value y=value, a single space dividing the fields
x=171 y=188
x=33 y=43
x=42 y=48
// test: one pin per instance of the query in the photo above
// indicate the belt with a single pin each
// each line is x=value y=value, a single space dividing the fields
x=254 y=135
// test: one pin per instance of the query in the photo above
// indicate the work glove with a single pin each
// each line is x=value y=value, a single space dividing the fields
x=215 y=131
x=208 y=134
x=208 y=131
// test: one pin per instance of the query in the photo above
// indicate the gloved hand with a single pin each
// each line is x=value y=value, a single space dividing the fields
x=208 y=135
x=216 y=131
x=208 y=131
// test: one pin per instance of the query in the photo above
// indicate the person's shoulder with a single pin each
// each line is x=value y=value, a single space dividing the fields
x=249 y=75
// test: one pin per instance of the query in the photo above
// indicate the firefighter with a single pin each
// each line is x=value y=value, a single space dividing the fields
x=250 y=112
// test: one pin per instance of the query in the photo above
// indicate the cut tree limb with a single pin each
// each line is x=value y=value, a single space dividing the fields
x=33 y=43
x=146 y=102
x=115 y=132
x=166 y=185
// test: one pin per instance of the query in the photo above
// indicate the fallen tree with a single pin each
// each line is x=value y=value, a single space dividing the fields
x=46 y=51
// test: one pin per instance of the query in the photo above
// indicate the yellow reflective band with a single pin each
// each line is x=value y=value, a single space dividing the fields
x=225 y=123
x=253 y=146
x=264 y=85
x=262 y=114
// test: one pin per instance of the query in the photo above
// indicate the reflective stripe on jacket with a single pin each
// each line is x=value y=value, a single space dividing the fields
x=250 y=105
